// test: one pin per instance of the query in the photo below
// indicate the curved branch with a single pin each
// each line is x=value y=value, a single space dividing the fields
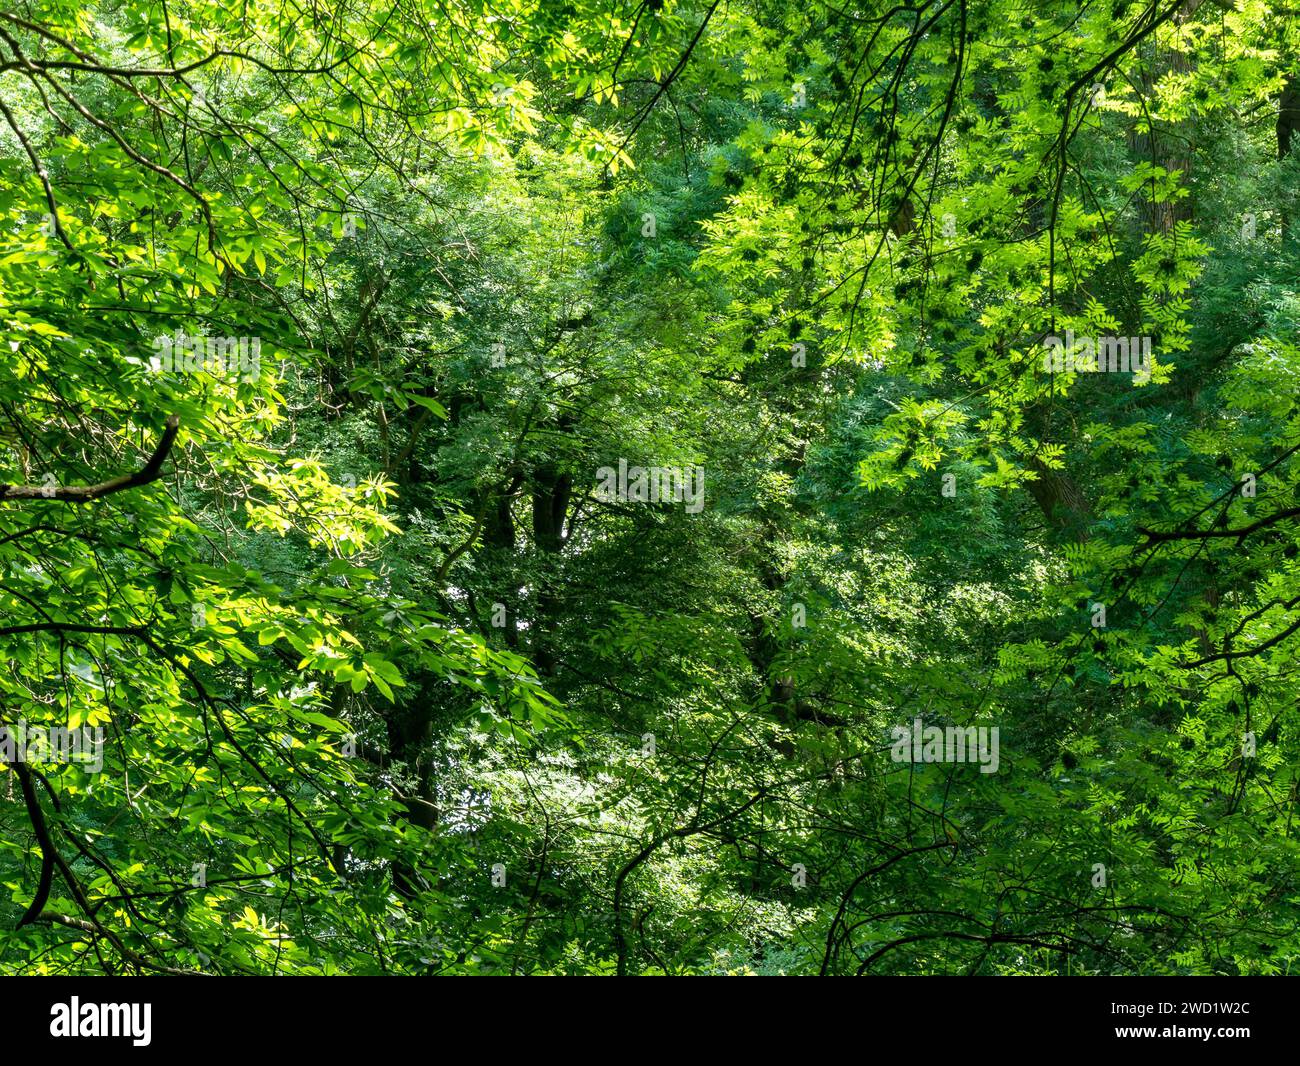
x=151 y=471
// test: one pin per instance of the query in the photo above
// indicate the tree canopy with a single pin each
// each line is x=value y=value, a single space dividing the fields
x=501 y=486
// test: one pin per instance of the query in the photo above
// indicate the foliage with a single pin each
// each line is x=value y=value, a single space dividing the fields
x=387 y=685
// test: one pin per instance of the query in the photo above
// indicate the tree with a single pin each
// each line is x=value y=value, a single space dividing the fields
x=522 y=487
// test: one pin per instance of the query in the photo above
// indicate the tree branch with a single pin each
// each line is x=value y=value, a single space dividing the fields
x=151 y=471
